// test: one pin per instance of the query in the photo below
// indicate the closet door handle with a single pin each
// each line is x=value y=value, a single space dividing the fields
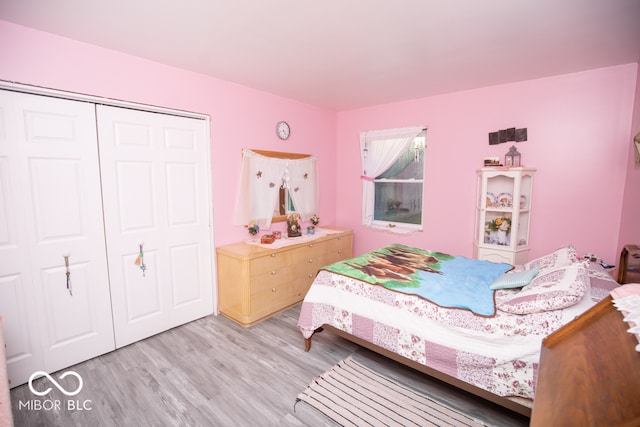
x=68 y=273
x=140 y=260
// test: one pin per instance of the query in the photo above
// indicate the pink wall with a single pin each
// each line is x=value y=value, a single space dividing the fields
x=240 y=117
x=630 y=222
x=578 y=138
x=579 y=127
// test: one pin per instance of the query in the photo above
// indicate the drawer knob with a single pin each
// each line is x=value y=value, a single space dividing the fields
x=310 y=261
x=310 y=245
x=273 y=255
x=339 y=251
x=310 y=276
x=273 y=273
x=274 y=290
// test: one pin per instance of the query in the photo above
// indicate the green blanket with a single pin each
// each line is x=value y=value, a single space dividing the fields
x=446 y=280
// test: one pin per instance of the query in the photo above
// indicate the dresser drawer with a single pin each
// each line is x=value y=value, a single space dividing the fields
x=312 y=250
x=260 y=282
x=269 y=263
x=341 y=244
x=268 y=300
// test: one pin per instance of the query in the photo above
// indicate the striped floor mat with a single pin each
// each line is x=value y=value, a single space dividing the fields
x=354 y=395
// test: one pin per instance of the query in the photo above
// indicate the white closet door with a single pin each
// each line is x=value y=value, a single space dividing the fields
x=51 y=207
x=154 y=170
x=22 y=339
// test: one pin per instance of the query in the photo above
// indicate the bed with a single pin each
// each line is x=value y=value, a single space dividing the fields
x=493 y=354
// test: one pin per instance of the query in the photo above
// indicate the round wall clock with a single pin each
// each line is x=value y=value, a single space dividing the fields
x=283 y=130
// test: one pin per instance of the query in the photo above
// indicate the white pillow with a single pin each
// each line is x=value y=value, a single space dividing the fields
x=552 y=289
x=515 y=279
x=561 y=257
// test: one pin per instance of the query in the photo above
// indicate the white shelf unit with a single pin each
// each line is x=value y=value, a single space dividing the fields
x=503 y=214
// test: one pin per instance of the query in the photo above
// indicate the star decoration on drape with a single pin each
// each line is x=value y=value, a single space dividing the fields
x=259 y=174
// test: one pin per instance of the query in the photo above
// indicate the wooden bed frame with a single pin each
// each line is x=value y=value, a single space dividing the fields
x=484 y=394
x=589 y=372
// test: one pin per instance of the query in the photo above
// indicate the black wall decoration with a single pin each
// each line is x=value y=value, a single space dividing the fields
x=507 y=135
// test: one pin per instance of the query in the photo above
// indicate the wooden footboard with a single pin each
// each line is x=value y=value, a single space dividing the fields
x=484 y=394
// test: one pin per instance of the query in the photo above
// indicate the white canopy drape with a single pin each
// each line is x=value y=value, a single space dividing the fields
x=261 y=179
x=379 y=150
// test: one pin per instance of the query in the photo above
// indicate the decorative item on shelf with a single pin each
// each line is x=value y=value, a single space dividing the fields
x=498 y=231
x=253 y=229
x=293 y=225
x=277 y=235
x=267 y=238
x=311 y=230
x=492 y=161
x=504 y=200
x=315 y=219
x=523 y=201
x=512 y=158
x=491 y=200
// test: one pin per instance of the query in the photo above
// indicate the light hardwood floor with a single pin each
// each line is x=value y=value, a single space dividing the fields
x=212 y=372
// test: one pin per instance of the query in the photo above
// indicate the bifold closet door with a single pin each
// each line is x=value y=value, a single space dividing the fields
x=51 y=208
x=157 y=220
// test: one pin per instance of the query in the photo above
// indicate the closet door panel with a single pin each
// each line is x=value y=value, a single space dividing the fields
x=57 y=203
x=143 y=295
x=188 y=214
x=136 y=196
x=154 y=183
x=185 y=274
x=22 y=338
x=69 y=319
x=60 y=147
x=53 y=145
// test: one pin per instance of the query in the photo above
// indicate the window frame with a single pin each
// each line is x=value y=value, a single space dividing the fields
x=398 y=226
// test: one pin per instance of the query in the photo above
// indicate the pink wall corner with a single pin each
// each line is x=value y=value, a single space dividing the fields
x=630 y=219
x=578 y=126
x=240 y=116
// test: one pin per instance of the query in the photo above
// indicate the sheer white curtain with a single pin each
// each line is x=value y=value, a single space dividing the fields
x=379 y=150
x=303 y=186
x=260 y=181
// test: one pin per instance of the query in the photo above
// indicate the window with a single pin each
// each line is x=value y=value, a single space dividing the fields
x=393 y=178
x=273 y=184
x=284 y=205
x=398 y=190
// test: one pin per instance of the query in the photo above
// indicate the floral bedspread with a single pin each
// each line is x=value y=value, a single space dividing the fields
x=499 y=354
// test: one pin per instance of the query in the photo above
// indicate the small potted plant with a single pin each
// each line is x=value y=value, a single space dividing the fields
x=315 y=219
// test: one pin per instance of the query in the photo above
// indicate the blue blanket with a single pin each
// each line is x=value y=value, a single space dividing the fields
x=446 y=280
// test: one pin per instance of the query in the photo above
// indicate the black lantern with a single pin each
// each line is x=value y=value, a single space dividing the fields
x=512 y=158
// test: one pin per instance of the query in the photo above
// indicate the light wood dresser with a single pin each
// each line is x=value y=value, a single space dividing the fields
x=255 y=283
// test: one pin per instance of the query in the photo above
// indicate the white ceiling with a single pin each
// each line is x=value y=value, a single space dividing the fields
x=345 y=54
